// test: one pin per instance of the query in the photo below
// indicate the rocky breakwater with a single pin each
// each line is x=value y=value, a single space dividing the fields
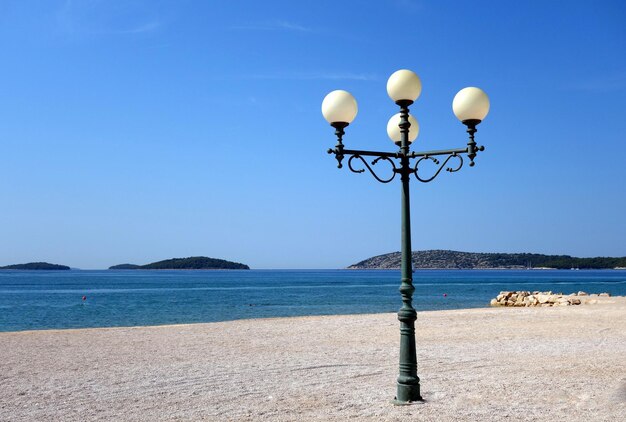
x=527 y=299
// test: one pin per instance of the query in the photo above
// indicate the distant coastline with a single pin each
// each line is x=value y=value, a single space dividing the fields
x=191 y=263
x=448 y=260
x=36 y=266
x=354 y=268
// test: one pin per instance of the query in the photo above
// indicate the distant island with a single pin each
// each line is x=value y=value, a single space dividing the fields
x=36 y=266
x=191 y=263
x=444 y=259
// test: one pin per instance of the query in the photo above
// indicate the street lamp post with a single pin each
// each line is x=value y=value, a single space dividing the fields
x=339 y=108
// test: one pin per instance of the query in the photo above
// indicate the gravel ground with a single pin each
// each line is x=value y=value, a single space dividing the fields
x=555 y=364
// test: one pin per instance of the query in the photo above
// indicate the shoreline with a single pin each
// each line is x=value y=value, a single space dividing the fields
x=598 y=300
x=269 y=318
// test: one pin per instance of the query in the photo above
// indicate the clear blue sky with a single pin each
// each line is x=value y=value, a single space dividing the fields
x=134 y=131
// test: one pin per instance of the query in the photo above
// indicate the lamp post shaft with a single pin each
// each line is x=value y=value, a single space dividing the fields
x=408 y=381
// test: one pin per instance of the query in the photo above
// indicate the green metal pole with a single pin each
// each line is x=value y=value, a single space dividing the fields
x=408 y=381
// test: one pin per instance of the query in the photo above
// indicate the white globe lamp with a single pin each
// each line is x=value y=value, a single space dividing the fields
x=393 y=129
x=404 y=85
x=470 y=104
x=339 y=107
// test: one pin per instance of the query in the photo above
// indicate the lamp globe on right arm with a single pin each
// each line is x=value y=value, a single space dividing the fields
x=471 y=106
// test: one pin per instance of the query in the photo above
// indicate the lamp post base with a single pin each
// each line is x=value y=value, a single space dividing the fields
x=408 y=394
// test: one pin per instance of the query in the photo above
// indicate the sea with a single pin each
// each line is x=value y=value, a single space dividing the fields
x=39 y=300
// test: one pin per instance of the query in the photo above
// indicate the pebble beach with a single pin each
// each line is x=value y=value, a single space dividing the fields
x=488 y=364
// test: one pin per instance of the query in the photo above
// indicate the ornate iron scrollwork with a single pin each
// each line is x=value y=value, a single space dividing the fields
x=393 y=165
x=436 y=161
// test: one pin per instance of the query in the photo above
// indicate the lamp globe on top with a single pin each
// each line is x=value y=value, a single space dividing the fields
x=470 y=104
x=339 y=107
x=404 y=85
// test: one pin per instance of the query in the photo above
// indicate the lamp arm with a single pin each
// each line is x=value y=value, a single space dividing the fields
x=372 y=153
x=416 y=154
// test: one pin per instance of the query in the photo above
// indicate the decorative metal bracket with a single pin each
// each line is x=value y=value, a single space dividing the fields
x=436 y=161
x=393 y=165
x=404 y=167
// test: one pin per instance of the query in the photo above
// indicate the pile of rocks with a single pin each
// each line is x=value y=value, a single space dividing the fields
x=524 y=298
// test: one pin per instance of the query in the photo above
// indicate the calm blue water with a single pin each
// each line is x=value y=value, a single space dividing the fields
x=33 y=300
